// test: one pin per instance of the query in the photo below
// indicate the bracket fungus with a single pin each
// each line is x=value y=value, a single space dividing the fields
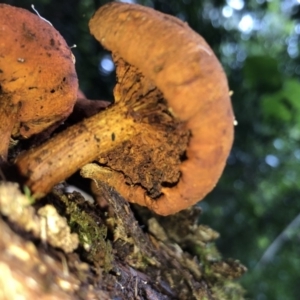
x=38 y=81
x=164 y=142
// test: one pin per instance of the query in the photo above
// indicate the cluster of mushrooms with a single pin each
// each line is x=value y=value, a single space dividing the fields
x=165 y=140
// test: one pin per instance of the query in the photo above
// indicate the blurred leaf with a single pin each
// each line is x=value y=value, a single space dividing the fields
x=261 y=72
x=283 y=105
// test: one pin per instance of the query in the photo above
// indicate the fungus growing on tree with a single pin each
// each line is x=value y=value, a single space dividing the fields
x=38 y=82
x=164 y=142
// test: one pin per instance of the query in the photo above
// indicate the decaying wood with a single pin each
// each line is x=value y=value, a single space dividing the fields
x=117 y=257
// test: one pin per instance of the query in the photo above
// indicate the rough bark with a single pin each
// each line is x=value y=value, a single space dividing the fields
x=118 y=256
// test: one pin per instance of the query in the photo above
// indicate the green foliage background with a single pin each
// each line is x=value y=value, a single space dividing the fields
x=256 y=205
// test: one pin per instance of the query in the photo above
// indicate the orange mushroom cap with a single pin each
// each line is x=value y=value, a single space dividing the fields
x=189 y=75
x=36 y=71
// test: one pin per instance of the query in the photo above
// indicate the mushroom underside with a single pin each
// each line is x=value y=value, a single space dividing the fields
x=136 y=141
x=151 y=157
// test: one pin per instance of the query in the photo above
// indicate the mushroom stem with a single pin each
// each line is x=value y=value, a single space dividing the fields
x=63 y=155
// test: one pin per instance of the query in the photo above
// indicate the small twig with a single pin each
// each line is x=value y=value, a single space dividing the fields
x=35 y=10
x=2 y=176
x=275 y=246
